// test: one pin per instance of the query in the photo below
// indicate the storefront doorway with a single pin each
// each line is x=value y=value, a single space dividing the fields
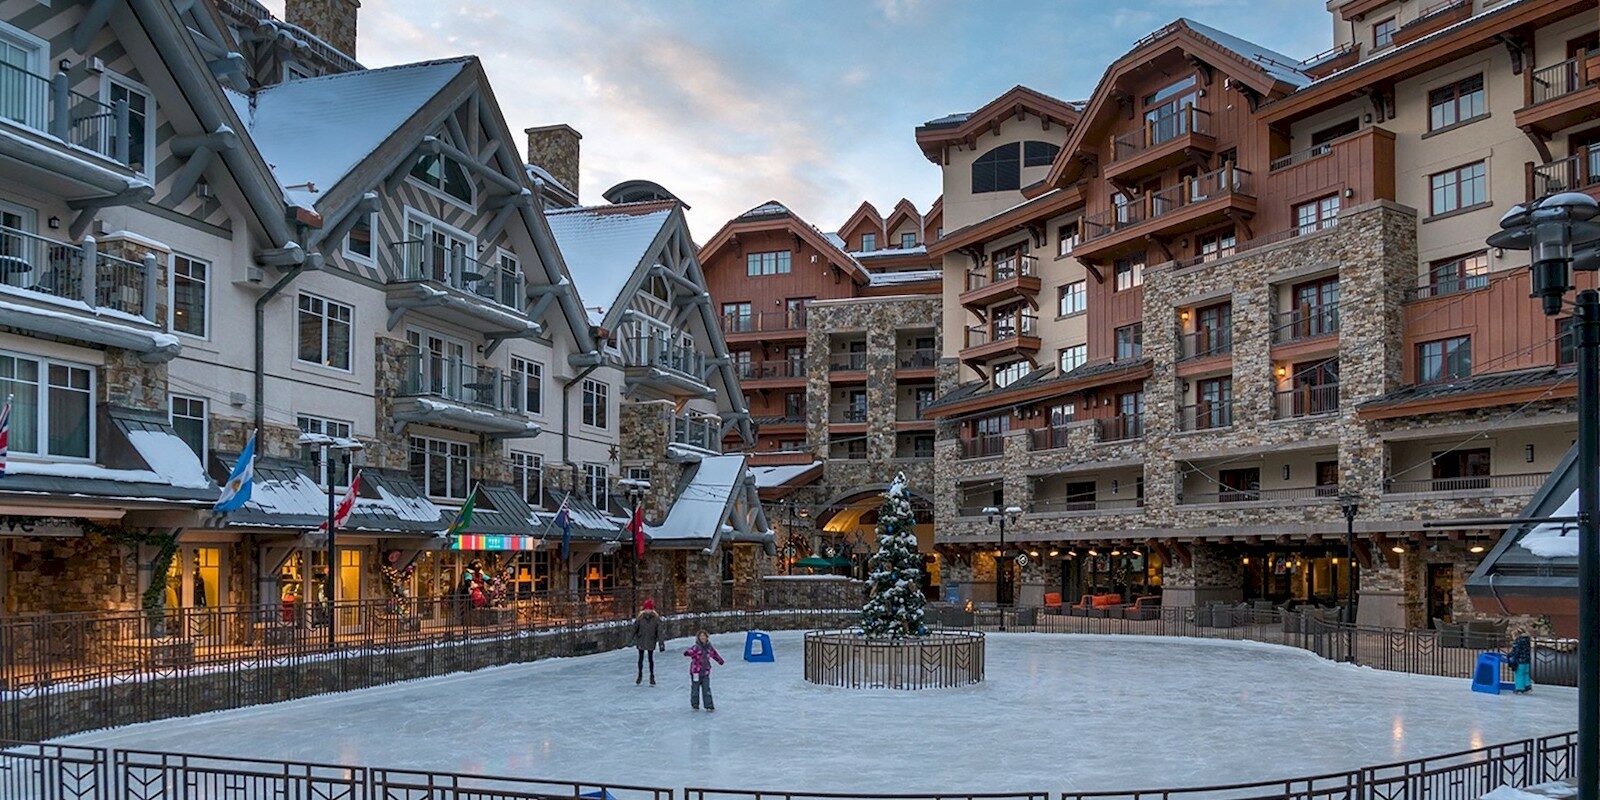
x=1441 y=593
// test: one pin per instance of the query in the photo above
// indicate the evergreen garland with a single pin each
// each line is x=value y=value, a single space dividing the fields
x=894 y=608
x=154 y=599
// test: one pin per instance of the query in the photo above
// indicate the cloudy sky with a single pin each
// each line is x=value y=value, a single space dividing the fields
x=811 y=102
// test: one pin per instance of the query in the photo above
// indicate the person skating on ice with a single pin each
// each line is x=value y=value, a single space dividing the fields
x=646 y=638
x=1521 y=660
x=700 y=657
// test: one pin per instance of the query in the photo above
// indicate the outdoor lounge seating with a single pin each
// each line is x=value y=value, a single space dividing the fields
x=1101 y=605
x=1143 y=607
x=1052 y=602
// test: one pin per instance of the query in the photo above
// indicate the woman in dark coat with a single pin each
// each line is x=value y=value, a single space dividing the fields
x=647 y=638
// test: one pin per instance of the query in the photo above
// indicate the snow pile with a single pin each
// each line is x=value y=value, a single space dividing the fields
x=90 y=472
x=170 y=458
x=1542 y=791
x=1555 y=539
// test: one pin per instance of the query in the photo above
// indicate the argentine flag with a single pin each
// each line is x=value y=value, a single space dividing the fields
x=236 y=492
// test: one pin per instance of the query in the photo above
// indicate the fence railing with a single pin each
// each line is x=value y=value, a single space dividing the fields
x=761 y=370
x=78 y=272
x=1305 y=401
x=1228 y=180
x=765 y=321
x=1557 y=80
x=1255 y=494
x=1305 y=322
x=847 y=362
x=1050 y=437
x=1002 y=328
x=1573 y=173
x=1121 y=428
x=1527 y=480
x=418 y=260
x=1160 y=130
x=983 y=445
x=702 y=432
x=1205 y=343
x=1206 y=415
x=49 y=105
x=1053 y=505
x=427 y=375
x=664 y=353
x=1003 y=270
x=920 y=358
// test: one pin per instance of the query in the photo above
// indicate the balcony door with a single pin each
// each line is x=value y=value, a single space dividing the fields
x=1213 y=326
x=440 y=362
x=436 y=252
x=24 y=92
x=17 y=262
x=1461 y=469
x=1316 y=305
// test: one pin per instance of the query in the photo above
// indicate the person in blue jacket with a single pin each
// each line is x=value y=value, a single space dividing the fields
x=1521 y=660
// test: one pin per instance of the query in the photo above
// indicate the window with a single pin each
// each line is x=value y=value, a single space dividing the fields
x=1315 y=387
x=736 y=317
x=998 y=170
x=1130 y=341
x=769 y=263
x=433 y=251
x=869 y=241
x=1213 y=403
x=922 y=446
x=324 y=330
x=1010 y=373
x=188 y=418
x=527 y=475
x=1462 y=187
x=444 y=174
x=1458 y=274
x=52 y=406
x=1461 y=469
x=1070 y=358
x=1444 y=359
x=1039 y=154
x=1383 y=33
x=1213 y=329
x=441 y=467
x=596 y=484
x=855 y=406
x=358 y=242
x=529 y=377
x=190 y=279
x=1129 y=272
x=312 y=456
x=141 y=121
x=993 y=425
x=596 y=403
x=1566 y=342
x=1239 y=485
x=794 y=406
x=1068 y=236
x=640 y=476
x=1327 y=478
x=1063 y=414
x=1316 y=215
x=908 y=241
x=600 y=574
x=1072 y=298
x=1217 y=245
x=1080 y=496
x=510 y=293
x=1459 y=102
x=28 y=53
x=1164 y=115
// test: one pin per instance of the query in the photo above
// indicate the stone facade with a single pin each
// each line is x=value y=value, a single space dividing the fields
x=555 y=148
x=333 y=21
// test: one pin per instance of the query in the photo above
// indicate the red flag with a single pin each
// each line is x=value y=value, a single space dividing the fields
x=346 y=504
x=636 y=527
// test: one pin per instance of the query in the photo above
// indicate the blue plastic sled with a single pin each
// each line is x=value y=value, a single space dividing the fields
x=758 y=647
x=1486 y=677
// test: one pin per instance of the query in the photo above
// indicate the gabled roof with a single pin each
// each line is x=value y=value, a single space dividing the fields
x=705 y=511
x=775 y=214
x=605 y=246
x=1265 y=71
x=934 y=135
x=864 y=212
x=904 y=209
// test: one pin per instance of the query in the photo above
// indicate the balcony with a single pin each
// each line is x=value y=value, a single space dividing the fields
x=1007 y=334
x=1214 y=197
x=1258 y=495
x=704 y=433
x=1306 y=401
x=1338 y=57
x=1069 y=504
x=1180 y=136
x=985 y=445
x=1008 y=279
x=1432 y=19
x=461 y=395
x=54 y=115
x=847 y=367
x=1205 y=343
x=665 y=364
x=764 y=325
x=1121 y=428
x=1579 y=172
x=447 y=284
x=922 y=358
x=779 y=372
x=848 y=414
x=1050 y=437
x=1305 y=322
x=1514 y=484
x=1205 y=416
x=76 y=292
x=1558 y=96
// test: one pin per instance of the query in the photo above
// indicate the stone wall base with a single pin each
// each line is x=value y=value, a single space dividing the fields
x=1381 y=607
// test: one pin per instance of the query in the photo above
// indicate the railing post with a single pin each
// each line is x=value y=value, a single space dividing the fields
x=149 y=309
x=61 y=105
x=121 y=135
x=91 y=267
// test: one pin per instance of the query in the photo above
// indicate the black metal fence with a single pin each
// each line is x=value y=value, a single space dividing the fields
x=942 y=659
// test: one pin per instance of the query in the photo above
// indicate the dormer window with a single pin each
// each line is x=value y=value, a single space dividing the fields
x=869 y=242
x=444 y=174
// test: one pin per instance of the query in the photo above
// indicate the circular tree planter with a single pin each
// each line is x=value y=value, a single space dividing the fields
x=940 y=660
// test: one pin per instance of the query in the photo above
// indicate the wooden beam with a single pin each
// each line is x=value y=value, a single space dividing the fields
x=94 y=18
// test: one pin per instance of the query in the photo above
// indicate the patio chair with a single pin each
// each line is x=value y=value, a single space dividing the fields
x=1052 y=602
x=1081 y=608
x=1101 y=604
x=1143 y=607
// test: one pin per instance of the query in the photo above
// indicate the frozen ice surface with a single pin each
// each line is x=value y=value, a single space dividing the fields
x=1056 y=712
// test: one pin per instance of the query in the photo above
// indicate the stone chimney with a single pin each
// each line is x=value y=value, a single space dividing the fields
x=554 y=148
x=333 y=21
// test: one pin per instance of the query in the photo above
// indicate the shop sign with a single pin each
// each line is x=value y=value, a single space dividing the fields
x=38 y=526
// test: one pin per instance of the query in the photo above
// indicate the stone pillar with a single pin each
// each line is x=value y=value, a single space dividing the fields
x=333 y=21
x=554 y=148
x=881 y=393
x=1381 y=600
x=1213 y=574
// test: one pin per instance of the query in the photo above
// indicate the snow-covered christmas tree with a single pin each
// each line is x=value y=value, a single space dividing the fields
x=894 y=608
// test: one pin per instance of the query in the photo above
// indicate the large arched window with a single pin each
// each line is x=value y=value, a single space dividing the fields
x=998 y=170
x=1039 y=154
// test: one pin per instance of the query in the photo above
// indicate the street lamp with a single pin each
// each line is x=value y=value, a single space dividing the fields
x=996 y=515
x=1350 y=503
x=326 y=447
x=1549 y=227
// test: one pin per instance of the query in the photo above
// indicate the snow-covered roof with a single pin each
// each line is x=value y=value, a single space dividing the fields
x=920 y=249
x=771 y=477
x=950 y=119
x=284 y=495
x=315 y=130
x=834 y=239
x=766 y=209
x=603 y=246
x=1555 y=539
x=1279 y=66
x=703 y=504
x=906 y=276
x=536 y=171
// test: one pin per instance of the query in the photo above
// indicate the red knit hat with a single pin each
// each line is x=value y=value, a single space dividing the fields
x=649 y=605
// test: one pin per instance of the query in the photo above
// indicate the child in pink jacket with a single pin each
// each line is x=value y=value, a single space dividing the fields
x=700 y=657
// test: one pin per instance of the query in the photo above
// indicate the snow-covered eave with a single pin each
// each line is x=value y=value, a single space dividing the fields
x=70 y=161
x=435 y=410
x=657 y=376
x=408 y=296
x=93 y=326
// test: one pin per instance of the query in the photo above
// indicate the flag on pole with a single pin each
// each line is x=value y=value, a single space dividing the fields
x=5 y=435
x=564 y=520
x=464 y=515
x=347 y=504
x=236 y=492
x=636 y=527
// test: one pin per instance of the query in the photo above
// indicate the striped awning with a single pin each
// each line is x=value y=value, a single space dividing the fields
x=493 y=541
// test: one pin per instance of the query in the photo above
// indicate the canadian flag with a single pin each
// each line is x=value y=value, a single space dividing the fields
x=346 y=503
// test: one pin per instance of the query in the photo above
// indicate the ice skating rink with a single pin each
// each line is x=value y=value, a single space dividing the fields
x=1056 y=713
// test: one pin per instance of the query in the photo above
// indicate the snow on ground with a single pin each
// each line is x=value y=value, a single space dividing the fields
x=1055 y=713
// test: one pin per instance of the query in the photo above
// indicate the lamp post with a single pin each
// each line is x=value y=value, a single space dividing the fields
x=327 y=446
x=996 y=515
x=1549 y=227
x=1350 y=503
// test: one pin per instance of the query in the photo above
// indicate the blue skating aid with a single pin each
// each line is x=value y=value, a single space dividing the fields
x=600 y=794
x=758 y=647
x=1486 y=677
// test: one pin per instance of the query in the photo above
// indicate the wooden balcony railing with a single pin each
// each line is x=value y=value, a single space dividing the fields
x=1002 y=327
x=1229 y=180
x=1003 y=270
x=765 y=322
x=1159 y=131
x=1121 y=428
x=1305 y=322
x=983 y=445
x=1529 y=481
x=1205 y=343
x=1306 y=401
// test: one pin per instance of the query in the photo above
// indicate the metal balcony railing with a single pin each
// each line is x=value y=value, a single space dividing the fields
x=1159 y=131
x=847 y=362
x=49 y=105
x=983 y=445
x=758 y=370
x=848 y=454
x=765 y=321
x=1056 y=505
x=428 y=375
x=664 y=352
x=418 y=260
x=1005 y=269
x=1205 y=416
x=78 y=272
x=695 y=431
x=1121 y=428
x=1305 y=322
x=921 y=358
x=1573 y=173
x=1527 y=480
x=1051 y=437
x=1557 y=80
x=1223 y=182
x=1001 y=328
x=1256 y=494
x=1205 y=343
x=1306 y=401
x=851 y=413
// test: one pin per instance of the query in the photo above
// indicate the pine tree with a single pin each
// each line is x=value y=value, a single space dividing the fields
x=894 y=608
